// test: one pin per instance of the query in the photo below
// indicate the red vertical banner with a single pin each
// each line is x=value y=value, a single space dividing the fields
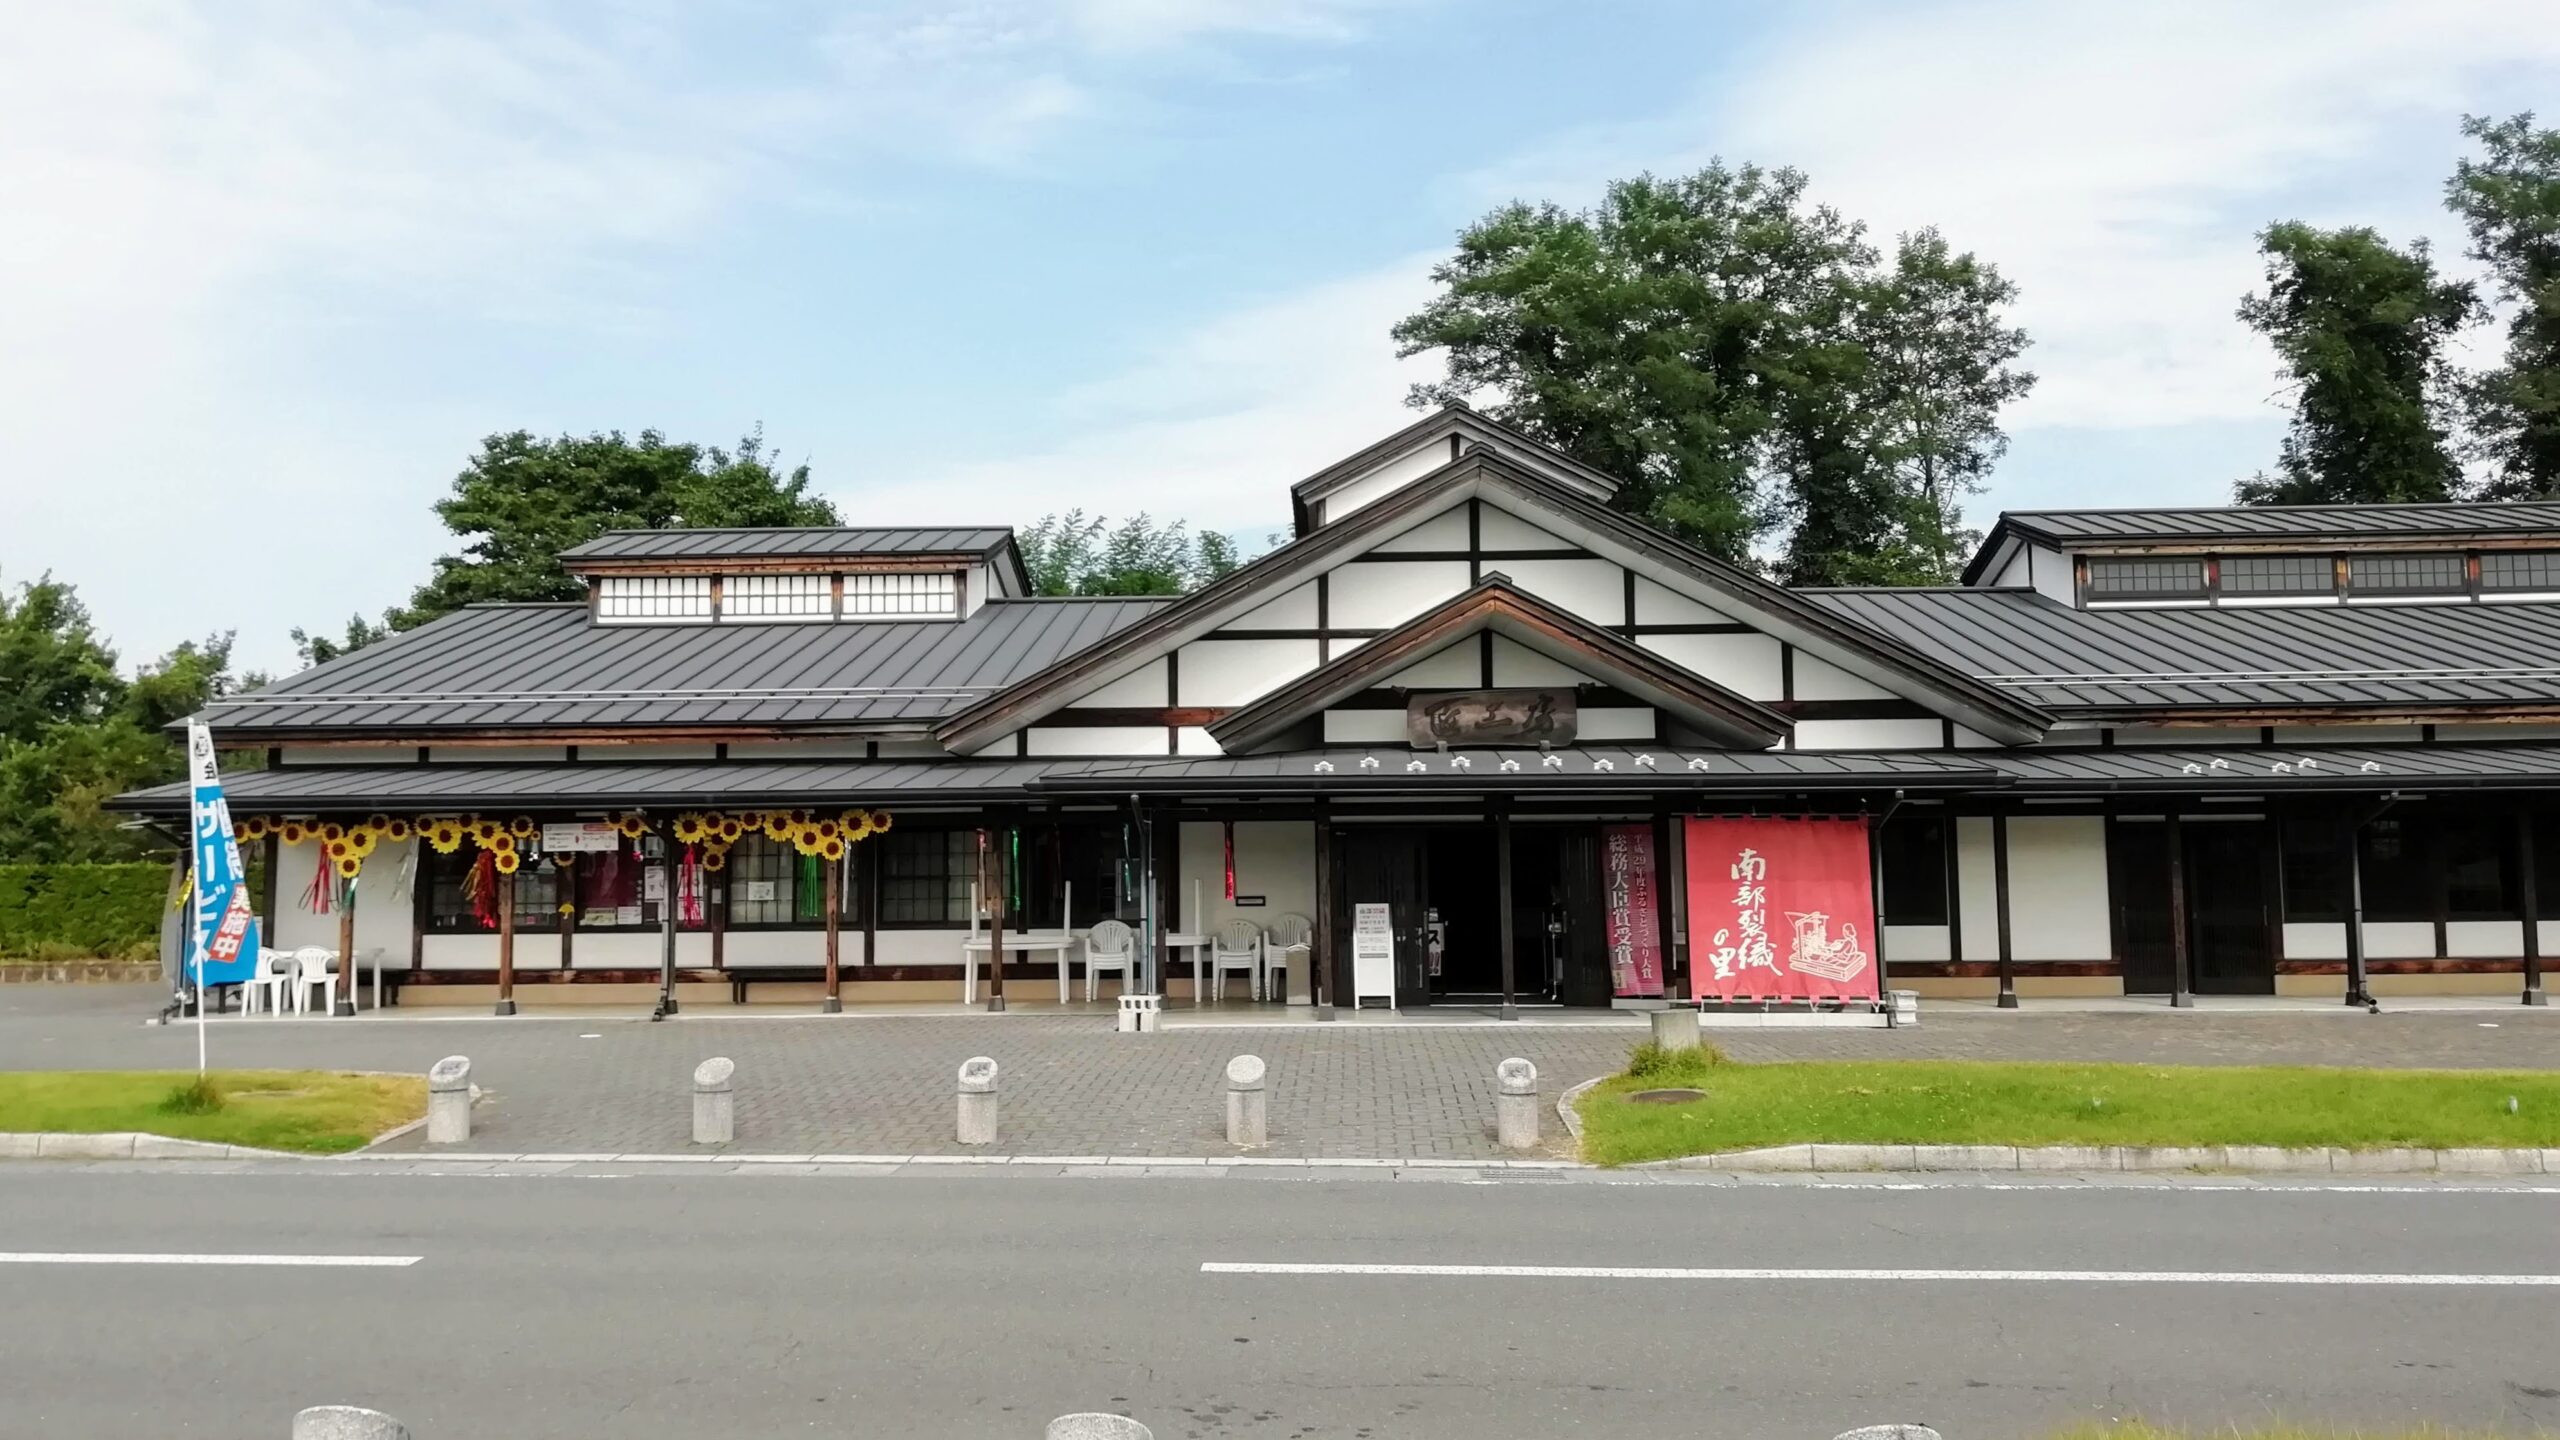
x=1782 y=908
x=1628 y=876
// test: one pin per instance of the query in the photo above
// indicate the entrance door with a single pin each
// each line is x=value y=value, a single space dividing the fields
x=1585 y=942
x=2229 y=948
x=1375 y=866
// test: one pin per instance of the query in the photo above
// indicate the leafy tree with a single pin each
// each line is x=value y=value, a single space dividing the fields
x=2360 y=327
x=320 y=649
x=74 y=732
x=1080 y=554
x=2510 y=202
x=1740 y=358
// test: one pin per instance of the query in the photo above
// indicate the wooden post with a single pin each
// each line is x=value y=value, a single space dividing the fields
x=1502 y=892
x=1320 y=977
x=564 y=904
x=715 y=902
x=2000 y=908
x=346 y=951
x=992 y=879
x=1160 y=887
x=2181 y=975
x=2532 y=898
x=1951 y=844
x=667 y=924
x=834 y=1003
x=2358 y=988
x=507 y=942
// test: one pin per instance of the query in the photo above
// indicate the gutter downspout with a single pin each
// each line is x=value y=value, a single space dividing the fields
x=2358 y=992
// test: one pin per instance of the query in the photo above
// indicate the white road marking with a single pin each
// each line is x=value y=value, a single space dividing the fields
x=2066 y=1277
x=65 y=1257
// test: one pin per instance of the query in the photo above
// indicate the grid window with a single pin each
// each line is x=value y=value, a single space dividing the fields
x=764 y=883
x=454 y=901
x=654 y=597
x=2315 y=866
x=925 y=875
x=2279 y=575
x=2520 y=570
x=776 y=597
x=1915 y=870
x=2146 y=579
x=901 y=597
x=2405 y=575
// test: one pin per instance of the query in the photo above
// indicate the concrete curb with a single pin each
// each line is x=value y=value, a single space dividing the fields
x=128 y=1145
x=2151 y=1159
x=1571 y=1117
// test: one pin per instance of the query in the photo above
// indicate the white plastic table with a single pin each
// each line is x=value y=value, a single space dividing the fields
x=976 y=945
x=1198 y=945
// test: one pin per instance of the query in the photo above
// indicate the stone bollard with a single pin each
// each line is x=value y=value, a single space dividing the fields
x=346 y=1422
x=1248 y=1108
x=978 y=1101
x=449 y=1101
x=1095 y=1426
x=1905 y=1009
x=1675 y=1029
x=1888 y=1432
x=1140 y=1014
x=1515 y=1109
x=715 y=1103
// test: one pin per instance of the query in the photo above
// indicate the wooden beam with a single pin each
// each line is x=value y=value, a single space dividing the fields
x=2532 y=898
x=2181 y=973
x=834 y=1003
x=507 y=942
x=1324 y=983
x=2000 y=908
x=1502 y=890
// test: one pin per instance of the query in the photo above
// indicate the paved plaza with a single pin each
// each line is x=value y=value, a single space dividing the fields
x=1071 y=1086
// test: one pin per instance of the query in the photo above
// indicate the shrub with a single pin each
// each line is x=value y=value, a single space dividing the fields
x=1652 y=1062
x=199 y=1096
x=92 y=909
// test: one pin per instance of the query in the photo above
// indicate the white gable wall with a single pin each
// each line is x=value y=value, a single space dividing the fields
x=1386 y=479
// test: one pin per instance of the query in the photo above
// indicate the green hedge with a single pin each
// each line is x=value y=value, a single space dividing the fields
x=100 y=908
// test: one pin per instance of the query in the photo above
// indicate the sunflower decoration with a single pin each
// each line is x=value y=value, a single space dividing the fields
x=507 y=861
x=827 y=830
x=348 y=868
x=879 y=822
x=522 y=827
x=332 y=832
x=398 y=830
x=501 y=843
x=444 y=833
x=715 y=861
x=241 y=834
x=832 y=848
x=688 y=829
x=633 y=825
x=292 y=832
x=341 y=852
x=730 y=830
x=360 y=843
x=377 y=823
x=776 y=826
x=485 y=831
x=805 y=841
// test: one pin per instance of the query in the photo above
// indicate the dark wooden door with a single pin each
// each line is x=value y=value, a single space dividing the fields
x=1586 y=979
x=1382 y=866
x=2227 y=899
x=2138 y=892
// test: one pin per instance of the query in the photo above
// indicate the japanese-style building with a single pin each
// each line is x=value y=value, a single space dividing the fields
x=1499 y=742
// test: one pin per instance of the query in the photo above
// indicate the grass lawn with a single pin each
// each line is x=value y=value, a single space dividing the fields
x=2136 y=1430
x=314 y=1110
x=1953 y=1102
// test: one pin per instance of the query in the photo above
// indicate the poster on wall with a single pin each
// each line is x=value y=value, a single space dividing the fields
x=1627 y=881
x=1781 y=908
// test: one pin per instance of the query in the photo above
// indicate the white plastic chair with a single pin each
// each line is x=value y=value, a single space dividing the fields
x=314 y=966
x=1288 y=933
x=1109 y=945
x=267 y=990
x=1235 y=945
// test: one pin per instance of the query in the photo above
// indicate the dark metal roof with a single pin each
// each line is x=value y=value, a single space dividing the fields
x=2276 y=769
x=1580 y=768
x=2253 y=524
x=1462 y=422
x=813 y=542
x=548 y=667
x=2083 y=661
x=357 y=789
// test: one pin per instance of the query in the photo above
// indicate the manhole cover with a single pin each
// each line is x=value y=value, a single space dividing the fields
x=1667 y=1097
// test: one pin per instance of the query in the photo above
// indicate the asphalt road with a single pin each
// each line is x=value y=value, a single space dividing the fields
x=978 y=1306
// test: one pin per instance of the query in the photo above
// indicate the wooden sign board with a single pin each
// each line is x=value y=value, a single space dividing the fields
x=1490 y=717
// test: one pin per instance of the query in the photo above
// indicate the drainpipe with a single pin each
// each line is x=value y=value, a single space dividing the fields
x=667 y=929
x=2358 y=992
x=1875 y=888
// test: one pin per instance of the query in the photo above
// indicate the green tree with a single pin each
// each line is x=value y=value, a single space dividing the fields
x=2509 y=200
x=1740 y=358
x=320 y=649
x=2361 y=328
x=1080 y=554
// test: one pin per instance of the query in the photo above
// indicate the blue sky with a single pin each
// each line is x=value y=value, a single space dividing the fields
x=269 y=271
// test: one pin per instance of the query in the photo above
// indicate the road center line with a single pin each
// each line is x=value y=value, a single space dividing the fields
x=65 y=1257
x=2044 y=1277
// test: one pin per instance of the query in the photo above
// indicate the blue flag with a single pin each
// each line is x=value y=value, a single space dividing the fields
x=224 y=948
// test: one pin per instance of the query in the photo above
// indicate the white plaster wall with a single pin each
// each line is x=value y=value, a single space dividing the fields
x=1458 y=665
x=1868 y=734
x=2315 y=940
x=1633 y=722
x=1194 y=740
x=347 y=754
x=1444 y=531
x=1096 y=740
x=921 y=749
x=2017 y=572
x=2049 y=570
x=595 y=950
x=1379 y=594
x=2399 y=940
x=384 y=904
x=1595 y=590
x=1292 y=609
x=2057 y=890
x=1517 y=664
x=1819 y=679
x=1274 y=859
x=1657 y=604
x=1748 y=664
x=1976 y=740
x=2483 y=939
x=923 y=947
x=1142 y=686
x=834 y=748
x=1499 y=529
x=1363 y=727
x=1915 y=942
x=497 y=754
x=1232 y=672
x=1386 y=478
x=1977 y=890
x=748 y=949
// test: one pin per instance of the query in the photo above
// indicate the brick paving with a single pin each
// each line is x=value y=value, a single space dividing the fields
x=1072 y=1087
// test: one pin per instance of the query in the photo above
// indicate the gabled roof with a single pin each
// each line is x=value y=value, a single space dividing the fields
x=1464 y=428
x=2253 y=526
x=603 y=785
x=811 y=541
x=1775 y=611
x=548 y=668
x=2258 y=658
x=1496 y=605
x=1351 y=772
